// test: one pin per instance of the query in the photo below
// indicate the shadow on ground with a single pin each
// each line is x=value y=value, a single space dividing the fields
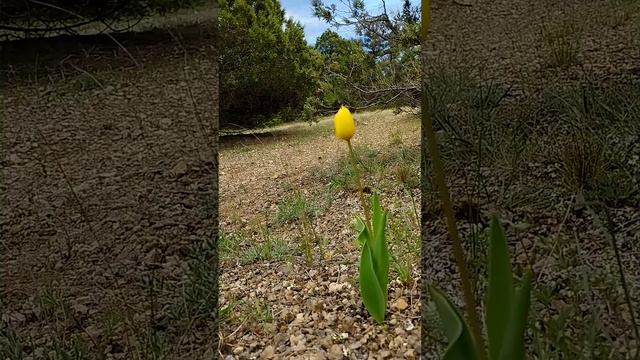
x=290 y=132
x=23 y=59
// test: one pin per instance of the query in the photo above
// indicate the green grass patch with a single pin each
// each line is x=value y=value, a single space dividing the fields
x=404 y=245
x=229 y=245
x=270 y=248
x=561 y=44
x=621 y=11
x=254 y=312
x=197 y=300
x=376 y=166
x=236 y=248
x=11 y=346
x=583 y=160
x=295 y=207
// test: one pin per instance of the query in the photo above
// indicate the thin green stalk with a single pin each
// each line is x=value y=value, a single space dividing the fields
x=447 y=207
x=365 y=206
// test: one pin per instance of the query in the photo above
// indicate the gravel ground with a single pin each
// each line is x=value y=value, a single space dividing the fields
x=315 y=309
x=108 y=179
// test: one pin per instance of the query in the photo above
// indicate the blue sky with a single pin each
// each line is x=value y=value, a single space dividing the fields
x=300 y=10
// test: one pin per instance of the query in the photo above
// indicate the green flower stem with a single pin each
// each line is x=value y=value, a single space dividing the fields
x=447 y=207
x=365 y=206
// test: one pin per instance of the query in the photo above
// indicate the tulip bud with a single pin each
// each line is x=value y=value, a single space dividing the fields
x=343 y=124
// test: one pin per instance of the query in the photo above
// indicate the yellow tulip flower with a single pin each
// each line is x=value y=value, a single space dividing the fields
x=343 y=124
x=345 y=127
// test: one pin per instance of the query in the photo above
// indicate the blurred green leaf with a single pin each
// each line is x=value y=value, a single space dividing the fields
x=461 y=343
x=374 y=262
x=379 y=247
x=513 y=342
x=500 y=291
x=359 y=226
x=372 y=295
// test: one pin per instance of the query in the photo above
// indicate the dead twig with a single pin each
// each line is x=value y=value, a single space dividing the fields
x=610 y=228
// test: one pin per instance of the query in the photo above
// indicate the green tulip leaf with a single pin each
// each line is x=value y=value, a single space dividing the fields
x=513 y=343
x=461 y=344
x=362 y=235
x=379 y=248
x=500 y=290
x=373 y=297
x=374 y=261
